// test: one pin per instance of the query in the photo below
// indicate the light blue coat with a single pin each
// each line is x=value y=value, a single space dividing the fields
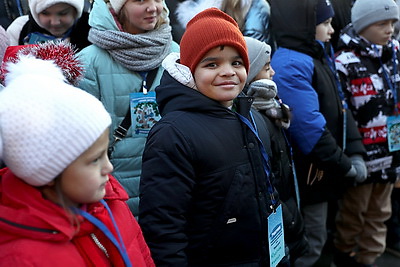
x=112 y=83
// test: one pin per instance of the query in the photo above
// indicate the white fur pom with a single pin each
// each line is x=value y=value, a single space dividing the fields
x=29 y=65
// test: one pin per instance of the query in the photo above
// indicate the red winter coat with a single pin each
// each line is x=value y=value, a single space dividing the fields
x=36 y=232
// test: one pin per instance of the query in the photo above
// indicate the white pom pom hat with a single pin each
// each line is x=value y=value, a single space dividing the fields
x=45 y=124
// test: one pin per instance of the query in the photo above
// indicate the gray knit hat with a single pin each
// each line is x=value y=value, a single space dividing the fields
x=259 y=54
x=367 y=12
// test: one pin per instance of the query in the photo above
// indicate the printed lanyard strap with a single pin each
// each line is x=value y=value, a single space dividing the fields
x=118 y=244
x=391 y=83
x=264 y=154
x=296 y=183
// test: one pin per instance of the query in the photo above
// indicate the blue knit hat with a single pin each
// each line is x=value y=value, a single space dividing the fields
x=324 y=11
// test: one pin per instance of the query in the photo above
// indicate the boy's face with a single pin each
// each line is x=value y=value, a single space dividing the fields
x=324 y=31
x=267 y=72
x=84 y=180
x=58 y=18
x=380 y=32
x=221 y=74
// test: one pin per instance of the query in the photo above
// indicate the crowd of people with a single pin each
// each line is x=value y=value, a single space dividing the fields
x=235 y=133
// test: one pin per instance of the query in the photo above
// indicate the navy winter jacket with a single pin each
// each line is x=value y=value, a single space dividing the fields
x=203 y=191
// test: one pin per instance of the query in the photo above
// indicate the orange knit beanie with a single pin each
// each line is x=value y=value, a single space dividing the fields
x=208 y=29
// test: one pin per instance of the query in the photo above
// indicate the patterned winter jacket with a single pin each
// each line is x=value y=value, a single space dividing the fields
x=365 y=70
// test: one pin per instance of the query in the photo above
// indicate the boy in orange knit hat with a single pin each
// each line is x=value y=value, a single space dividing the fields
x=206 y=197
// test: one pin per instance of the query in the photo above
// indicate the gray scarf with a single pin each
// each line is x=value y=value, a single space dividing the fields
x=136 y=52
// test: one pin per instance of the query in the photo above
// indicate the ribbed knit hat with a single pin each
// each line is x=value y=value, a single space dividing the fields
x=367 y=12
x=37 y=6
x=324 y=11
x=45 y=124
x=209 y=29
x=259 y=55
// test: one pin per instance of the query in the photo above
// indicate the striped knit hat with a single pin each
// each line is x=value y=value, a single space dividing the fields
x=209 y=29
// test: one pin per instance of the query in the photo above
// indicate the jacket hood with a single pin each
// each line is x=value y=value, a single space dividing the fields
x=293 y=24
x=25 y=213
x=102 y=19
x=177 y=91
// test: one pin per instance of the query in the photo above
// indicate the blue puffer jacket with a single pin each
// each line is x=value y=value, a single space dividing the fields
x=256 y=21
x=112 y=83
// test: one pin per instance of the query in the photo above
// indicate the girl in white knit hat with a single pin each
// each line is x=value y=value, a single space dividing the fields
x=130 y=40
x=59 y=205
x=52 y=20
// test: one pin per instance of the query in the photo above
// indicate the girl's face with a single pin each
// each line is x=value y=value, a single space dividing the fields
x=221 y=74
x=380 y=32
x=84 y=180
x=58 y=19
x=139 y=16
x=265 y=73
x=324 y=31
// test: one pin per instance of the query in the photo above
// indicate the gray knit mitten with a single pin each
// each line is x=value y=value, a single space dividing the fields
x=358 y=162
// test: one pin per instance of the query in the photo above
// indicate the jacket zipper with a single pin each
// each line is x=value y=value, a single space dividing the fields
x=29 y=227
x=98 y=243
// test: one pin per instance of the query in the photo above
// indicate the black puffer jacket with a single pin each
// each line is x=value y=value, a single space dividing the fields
x=282 y=167
x=203 y=192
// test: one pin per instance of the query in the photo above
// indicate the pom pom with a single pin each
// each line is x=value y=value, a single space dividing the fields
x=61 y=52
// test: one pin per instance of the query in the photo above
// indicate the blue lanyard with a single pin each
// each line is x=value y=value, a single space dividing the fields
x=391 y=83
x=118 y=244
x=19 y=6
x=296 y=184
x=252 y=126
x=144 y=74
x=331 y=64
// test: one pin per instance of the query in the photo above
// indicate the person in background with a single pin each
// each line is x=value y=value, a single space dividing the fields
x=342 y=17
x=54 y=140
x=4 y=43
x=367 y=61
x=122 y=68
x=252 y=16
x=328 y=152
x=259 y=85
x=51 y=20
x=393 y=223
x=177 y=28
x=12 y=9
x=206 y=190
